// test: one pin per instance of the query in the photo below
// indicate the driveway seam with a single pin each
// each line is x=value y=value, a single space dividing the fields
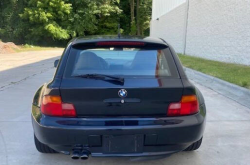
x=5 y=148
x=2 y=88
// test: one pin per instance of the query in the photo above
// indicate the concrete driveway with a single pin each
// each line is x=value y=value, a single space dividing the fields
x=226 y=139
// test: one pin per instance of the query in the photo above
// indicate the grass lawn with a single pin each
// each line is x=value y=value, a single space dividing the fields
x=233 y=73
x=26 y=48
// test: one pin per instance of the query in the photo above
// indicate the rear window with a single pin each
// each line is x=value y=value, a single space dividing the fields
x=122 y=61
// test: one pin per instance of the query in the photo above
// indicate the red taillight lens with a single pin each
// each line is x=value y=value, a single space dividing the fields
x=53 y=106
x=119 y=43
x=189 y=105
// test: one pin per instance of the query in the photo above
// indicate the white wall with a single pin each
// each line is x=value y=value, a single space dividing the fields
x=161 y=7
x=217 y=29
x=171 y=27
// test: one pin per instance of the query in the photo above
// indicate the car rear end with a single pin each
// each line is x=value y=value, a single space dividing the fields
x=154 y=110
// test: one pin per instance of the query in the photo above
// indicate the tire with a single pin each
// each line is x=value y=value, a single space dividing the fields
x=43 y=148
x=194 y=146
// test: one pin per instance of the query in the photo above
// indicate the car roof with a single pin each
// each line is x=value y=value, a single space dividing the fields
x=93 y=39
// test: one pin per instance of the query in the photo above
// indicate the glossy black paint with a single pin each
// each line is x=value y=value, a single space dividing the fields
x=172 y=134
x=103 y=113
x=89 y=96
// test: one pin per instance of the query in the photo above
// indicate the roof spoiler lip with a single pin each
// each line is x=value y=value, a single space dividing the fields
x=164 y=41
x=145 y=43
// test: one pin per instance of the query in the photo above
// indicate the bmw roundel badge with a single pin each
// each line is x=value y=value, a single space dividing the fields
x=122 y=93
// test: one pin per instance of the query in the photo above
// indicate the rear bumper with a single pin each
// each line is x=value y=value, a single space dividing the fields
x=160 y=135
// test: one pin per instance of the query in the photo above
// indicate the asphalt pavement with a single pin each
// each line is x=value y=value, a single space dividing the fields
x=226 y=139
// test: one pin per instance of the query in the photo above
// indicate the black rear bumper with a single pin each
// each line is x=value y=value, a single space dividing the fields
x=160 y=135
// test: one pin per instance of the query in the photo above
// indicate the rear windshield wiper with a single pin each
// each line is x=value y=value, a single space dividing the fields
x=100 y=76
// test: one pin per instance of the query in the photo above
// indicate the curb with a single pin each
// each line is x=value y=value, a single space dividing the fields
x=232 y=91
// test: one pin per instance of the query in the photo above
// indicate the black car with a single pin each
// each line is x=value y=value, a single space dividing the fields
x=113 y=96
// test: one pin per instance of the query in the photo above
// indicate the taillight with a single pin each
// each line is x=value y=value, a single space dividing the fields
x=187 y=106
x=53 y=106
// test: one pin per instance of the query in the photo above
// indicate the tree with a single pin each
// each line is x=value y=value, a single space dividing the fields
x=65 y=19
x=57 y=21
x=48 y=19
x=133 y=24
x=109 y=17
x=94 y=16
x=144 y=17
x=132 y=8
x=11 y=26
x=82 y=18
x=138 y=14
x=125 y=16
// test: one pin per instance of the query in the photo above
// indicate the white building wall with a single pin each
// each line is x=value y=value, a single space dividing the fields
x=171 y=27
x=216 y=29
x=161 y=7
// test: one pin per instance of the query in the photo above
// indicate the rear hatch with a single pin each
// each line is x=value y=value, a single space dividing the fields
x=151 y=80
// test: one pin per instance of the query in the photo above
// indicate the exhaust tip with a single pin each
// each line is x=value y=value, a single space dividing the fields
x=85 y=155
x=75 y=155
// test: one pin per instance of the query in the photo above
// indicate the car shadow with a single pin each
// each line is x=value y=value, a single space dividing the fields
x=179 y=158
x=15 y=75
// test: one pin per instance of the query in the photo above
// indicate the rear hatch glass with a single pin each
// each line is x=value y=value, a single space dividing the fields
x=125 y=62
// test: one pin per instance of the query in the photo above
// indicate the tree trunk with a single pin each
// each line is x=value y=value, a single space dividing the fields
x=137 y=17
x=132 y=9
x=1 y=12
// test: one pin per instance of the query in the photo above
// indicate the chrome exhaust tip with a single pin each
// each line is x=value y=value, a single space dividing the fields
x=76 y=155
x=84 y=155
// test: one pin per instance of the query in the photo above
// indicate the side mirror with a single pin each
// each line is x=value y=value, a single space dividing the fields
x=56 y=63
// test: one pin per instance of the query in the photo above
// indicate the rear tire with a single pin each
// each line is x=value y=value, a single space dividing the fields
x=43 y=148
x=194 y=146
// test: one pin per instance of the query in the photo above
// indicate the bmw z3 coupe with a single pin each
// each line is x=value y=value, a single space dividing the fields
x=118 y=96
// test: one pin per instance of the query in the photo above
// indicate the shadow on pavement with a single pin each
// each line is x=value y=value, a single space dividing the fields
x=18 y=74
